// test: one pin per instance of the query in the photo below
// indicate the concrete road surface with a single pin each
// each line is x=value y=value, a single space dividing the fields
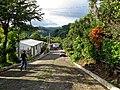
x=51 y=72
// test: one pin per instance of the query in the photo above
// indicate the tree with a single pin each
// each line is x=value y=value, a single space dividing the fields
x=11 y=48
x=35 y=36
x=15 y=13
x=61 y=32
x=109 y=11
x=93 y=5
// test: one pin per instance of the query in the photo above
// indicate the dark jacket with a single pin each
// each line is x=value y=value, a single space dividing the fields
x=23 y=56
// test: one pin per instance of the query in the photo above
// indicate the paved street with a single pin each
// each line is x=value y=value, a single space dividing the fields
x=49 y=73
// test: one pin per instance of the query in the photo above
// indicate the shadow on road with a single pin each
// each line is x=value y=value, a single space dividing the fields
x=16 y=84
x=45 y=76
x=52 y=56
x=63 y=73
x=51 y=77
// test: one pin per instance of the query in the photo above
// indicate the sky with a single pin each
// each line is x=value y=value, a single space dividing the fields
x=61 y=12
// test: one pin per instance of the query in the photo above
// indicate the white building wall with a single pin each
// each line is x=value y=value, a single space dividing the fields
x=34 y=50
x=37 y=49
x=41 y=44
x=24 y=47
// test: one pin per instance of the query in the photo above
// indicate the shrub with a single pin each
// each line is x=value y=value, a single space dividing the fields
x=76 y=56
x=111 y=52
x=1 y=54
x=12 y=57
x=70 y=53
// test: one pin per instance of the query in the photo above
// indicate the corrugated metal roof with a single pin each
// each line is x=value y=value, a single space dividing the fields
x=30 y=42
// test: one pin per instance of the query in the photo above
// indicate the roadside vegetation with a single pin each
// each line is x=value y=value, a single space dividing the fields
x=13 y=27
x=95 y=39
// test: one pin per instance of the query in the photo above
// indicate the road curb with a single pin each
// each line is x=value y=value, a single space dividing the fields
x=15 y=65
x=102 y=81
x=8 y=67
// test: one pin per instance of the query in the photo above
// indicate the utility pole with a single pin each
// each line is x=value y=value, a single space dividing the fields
x=49 y=41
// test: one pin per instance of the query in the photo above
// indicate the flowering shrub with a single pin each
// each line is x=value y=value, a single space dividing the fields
x=95 y=36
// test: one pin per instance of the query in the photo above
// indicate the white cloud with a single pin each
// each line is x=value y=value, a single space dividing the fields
x=60 y=20
x=60 y=3
x=61 y=12
x=50 y=3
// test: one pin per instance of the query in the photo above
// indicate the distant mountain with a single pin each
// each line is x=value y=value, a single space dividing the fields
x=44 y=30
x=51 y=28
x=61 y=31
x=54 y=31
x=47 y=30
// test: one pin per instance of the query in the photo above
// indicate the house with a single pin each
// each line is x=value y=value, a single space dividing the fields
x=31 y=46
x=55 y=45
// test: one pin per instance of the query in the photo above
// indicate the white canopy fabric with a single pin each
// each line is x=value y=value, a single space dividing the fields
x=31 y=42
